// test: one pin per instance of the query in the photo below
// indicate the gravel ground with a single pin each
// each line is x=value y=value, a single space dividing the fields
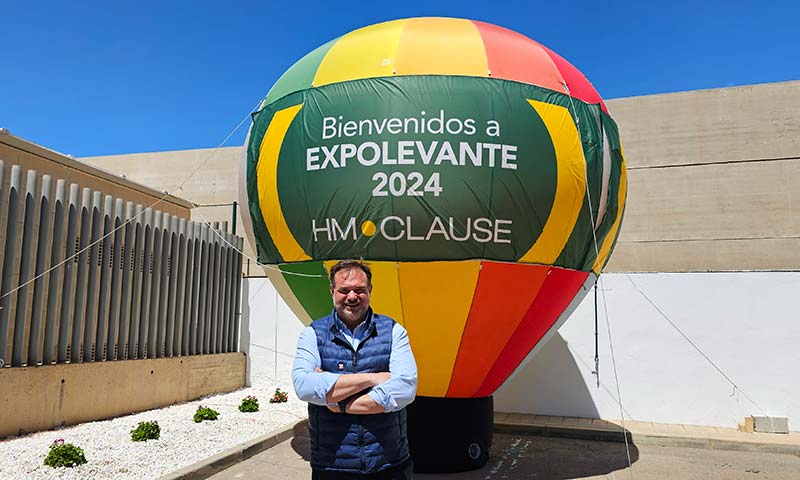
x=111 y=454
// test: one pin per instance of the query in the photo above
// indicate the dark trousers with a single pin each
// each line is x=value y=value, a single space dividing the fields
x=404 y=471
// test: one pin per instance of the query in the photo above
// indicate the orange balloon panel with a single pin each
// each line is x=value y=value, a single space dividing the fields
x=505 y=292
x=470 y=323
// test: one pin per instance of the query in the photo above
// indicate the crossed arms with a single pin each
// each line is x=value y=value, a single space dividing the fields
x=365 y=393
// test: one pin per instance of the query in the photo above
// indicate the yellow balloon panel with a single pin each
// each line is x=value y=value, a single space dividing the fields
x=569 y=188
x=436 y=298
x=267 y=171
x=364 y=53
x=441 y=46
x=386 y=290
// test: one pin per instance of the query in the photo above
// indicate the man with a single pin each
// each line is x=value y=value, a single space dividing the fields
x=356 y=370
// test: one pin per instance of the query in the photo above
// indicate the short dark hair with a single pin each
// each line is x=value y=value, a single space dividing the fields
x=347 y=265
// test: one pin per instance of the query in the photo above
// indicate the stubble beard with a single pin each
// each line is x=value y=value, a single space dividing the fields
x=352 y=315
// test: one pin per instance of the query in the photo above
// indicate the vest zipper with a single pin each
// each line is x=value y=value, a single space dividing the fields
x=355 y=359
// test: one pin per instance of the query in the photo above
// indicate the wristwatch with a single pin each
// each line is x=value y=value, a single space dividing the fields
x=343 y=406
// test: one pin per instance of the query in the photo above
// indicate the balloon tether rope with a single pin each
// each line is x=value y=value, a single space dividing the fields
x=600 y=280
x=736 y=388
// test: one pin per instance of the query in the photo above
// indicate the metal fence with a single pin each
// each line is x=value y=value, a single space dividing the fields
x=153 y=286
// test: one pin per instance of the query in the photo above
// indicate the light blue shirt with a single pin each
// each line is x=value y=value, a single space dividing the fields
x=392 y=395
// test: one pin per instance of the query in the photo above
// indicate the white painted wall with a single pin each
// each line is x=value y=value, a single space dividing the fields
x=747 y=323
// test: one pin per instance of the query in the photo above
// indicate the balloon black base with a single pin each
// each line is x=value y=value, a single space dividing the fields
x=450 y=434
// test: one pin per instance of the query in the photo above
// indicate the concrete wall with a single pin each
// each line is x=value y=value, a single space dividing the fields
x=38 y=398
x=714 y=179
x=215 y=183
x=746 y=323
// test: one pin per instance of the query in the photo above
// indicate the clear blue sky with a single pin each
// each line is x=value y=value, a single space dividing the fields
x=98 y=78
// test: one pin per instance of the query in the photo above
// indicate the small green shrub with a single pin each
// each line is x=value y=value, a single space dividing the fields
x=146 y=431
x=205 y=413
x=249 y=404
x=64 y=455
x=279 y=397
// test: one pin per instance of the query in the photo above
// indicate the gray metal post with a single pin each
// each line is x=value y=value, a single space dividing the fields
x=232 y=278
x=101 y=349
x=205 y=298
x=68 y=292
x=174 y=262
x=50 y=351
x=190 y=301
x=215 y=289
x=189 y=276
x=93 y=266
x=236 y=277
x=180 y=287
x=125 y=340
x=201 y=288
x=147 y=274
x=224 y=291
x=40 y=285
x=155 y=288
x=163 y=298
x=78 y=319
x=238 y=297
x=22 y=317
x=224 y=249
x=10 y=253
x=136 y=292
x=115 y=266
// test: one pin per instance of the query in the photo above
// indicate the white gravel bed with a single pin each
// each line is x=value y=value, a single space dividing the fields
x=111 y=454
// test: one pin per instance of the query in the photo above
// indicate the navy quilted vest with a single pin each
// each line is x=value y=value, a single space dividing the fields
x=356 y=443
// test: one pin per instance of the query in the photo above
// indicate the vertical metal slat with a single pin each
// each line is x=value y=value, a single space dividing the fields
x=215 y=288
x=188 y=327
x=224 y=291
x=197 y=285
x=107 y=232
x=92 y=264
x=70 y=272
x=114 y=320
x=78 y=319
x=124 y=339
x=56 y=280
x=180 y=287
x=9 y=256
x=40 y=285
x=136 y=295
x=163 y=299
x=144 y=308
x=174 y=267
x=19 y=353
x=153 y=345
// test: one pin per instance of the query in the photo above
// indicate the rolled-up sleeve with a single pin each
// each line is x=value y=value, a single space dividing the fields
x=310 y=386
x=401 y=388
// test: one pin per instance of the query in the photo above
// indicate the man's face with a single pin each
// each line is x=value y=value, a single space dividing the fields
x=350 y=292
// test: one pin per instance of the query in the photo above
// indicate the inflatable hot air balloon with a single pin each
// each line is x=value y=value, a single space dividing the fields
x=476 y=171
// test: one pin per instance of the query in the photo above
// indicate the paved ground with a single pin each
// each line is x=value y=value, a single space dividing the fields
x=522 y=456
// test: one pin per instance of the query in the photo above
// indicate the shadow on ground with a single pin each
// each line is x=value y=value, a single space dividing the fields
x=523 y=456
x=300 y=442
